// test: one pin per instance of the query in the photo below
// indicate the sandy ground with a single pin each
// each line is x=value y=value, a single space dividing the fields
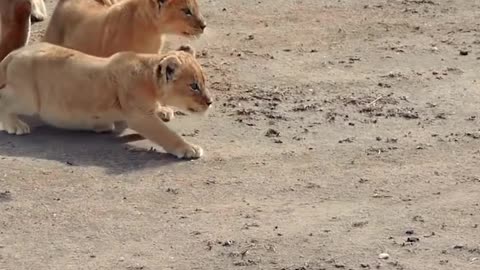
x=341 y=130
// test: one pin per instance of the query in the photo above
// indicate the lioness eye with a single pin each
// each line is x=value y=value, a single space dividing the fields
x=187 y=12
x=195 y=87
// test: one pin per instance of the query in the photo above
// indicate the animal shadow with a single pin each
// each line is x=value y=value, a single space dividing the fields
x=81 y=148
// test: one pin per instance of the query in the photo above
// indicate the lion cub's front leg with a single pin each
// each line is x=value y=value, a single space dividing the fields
x=165 y=113
x=153 y=128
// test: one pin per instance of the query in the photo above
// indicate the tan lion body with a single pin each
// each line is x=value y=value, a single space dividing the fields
x=105 y=27
x=73 y=90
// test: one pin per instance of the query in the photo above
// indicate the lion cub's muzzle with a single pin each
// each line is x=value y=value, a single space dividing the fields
x=199 y=27
x=203 y=103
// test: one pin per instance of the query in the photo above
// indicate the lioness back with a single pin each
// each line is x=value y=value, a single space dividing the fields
x=104 y=27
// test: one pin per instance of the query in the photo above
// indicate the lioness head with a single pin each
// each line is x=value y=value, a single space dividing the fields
x=180 y=17
x=182 y=80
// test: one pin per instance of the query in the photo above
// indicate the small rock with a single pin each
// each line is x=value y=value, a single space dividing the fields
x=409 y=232
x=228 y=243
x=413 y=239
x=384 y=256
x=464 y=52
x=272 y=133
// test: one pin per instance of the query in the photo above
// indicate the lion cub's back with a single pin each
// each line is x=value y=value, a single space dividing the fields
x=49 y=57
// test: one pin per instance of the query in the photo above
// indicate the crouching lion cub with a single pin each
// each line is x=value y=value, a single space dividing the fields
x=72 y=90
x=105 y=27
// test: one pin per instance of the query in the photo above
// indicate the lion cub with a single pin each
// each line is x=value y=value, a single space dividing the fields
x=72 y=90
x=14 y=25
x=105 y=27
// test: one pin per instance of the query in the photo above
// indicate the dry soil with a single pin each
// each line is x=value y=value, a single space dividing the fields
x=341 y=130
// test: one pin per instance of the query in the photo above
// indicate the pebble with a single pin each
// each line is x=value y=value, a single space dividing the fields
x=464 y=52
x=384 y=256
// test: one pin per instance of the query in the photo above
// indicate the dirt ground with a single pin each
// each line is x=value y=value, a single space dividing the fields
x=341 y=130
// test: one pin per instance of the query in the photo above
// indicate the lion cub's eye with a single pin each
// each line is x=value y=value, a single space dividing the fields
x=187 y=11
x=194 y=87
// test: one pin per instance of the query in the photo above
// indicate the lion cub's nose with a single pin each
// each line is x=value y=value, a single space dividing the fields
x=203 y=25
x=209 y=101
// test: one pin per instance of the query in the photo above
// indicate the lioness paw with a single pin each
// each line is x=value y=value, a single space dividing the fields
x=189 y=151
x=15 y=126
x=166 y=114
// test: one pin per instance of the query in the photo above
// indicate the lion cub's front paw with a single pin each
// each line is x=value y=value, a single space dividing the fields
x=15 y=126
x=166 y=114
x=189 y=151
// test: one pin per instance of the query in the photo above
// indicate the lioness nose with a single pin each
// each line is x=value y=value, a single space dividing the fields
x=203 y=25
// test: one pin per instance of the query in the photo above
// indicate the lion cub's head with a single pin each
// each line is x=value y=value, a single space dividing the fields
x=180 y=17
x=182 y=81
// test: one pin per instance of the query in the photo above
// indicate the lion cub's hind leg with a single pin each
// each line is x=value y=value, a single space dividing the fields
x=104 y=128
x=9 y=120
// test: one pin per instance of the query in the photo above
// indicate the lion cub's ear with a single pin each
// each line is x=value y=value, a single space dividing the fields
x=161 y=2
x=187 y=48
x=169 y=68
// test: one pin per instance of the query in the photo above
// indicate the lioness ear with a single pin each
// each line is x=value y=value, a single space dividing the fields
x=169 y=68
x=187 y=48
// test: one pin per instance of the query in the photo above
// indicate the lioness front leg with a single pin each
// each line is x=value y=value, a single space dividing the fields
x=152 y=128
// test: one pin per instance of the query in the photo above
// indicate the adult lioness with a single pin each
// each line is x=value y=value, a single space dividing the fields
x=15 y=21
x=14 y=25
x=72 y=90
x=104 y=27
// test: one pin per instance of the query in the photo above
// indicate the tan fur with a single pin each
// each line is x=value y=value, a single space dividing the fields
x=105 y=27
x=72 y=90
x=14 y=25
